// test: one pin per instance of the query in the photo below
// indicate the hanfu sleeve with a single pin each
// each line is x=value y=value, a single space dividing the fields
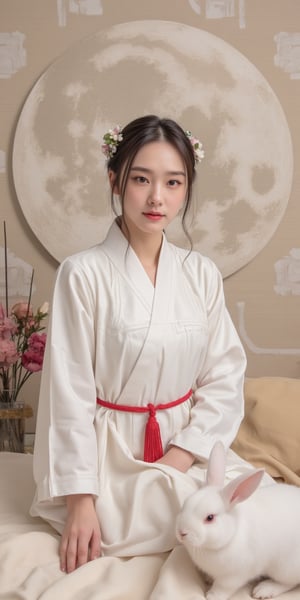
x=218 y=394
x=65 y=458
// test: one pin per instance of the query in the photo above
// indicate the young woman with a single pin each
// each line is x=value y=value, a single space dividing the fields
x=143 y=371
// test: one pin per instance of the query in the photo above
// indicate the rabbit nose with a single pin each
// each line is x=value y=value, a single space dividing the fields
x=182 y=533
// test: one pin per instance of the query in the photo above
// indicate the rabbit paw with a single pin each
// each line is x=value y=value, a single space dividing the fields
x=268 y=589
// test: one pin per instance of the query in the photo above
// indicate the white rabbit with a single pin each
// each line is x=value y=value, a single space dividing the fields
x=235 y=543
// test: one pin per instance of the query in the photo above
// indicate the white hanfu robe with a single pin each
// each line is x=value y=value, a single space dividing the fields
x=115 y=336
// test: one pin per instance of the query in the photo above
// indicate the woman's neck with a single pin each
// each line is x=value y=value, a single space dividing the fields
x=146 y=247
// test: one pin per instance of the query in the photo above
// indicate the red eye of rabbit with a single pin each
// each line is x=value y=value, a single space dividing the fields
x=209 y=518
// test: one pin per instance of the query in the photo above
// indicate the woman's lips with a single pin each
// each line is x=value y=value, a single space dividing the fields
x=153 y=216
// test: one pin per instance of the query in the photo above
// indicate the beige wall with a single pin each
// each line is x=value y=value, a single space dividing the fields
x=271 y=319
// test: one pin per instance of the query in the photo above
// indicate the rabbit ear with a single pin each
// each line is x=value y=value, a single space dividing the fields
x=216 y=466
x=242 y=487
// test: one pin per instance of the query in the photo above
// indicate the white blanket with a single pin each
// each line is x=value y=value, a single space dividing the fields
x=29 y=566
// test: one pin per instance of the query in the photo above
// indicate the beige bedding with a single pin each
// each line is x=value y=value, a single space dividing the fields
x=29 y=567
x=269 y=436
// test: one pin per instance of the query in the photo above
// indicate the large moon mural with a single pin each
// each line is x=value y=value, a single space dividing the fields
x=169 y=69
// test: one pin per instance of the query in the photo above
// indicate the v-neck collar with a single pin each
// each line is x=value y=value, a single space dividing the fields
x=130 y=267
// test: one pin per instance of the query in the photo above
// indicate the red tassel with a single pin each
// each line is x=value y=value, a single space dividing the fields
x=152 y=445
x=153 y=449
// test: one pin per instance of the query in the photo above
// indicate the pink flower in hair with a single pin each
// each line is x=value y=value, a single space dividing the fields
x=196 y=145
x=111 y=140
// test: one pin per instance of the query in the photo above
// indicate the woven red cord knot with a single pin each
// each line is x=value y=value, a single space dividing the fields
x=152 y=410
x=153 y=449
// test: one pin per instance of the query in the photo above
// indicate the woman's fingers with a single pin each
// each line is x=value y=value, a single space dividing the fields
x=76 y=550
x=63 y=553
x=81 y=537
x=95 y=545
x=82 y=552
x=71 y=554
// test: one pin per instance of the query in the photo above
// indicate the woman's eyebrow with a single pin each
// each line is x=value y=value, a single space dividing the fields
x=145 y=170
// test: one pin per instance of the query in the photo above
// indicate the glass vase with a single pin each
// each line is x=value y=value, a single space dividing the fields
x=12 y=426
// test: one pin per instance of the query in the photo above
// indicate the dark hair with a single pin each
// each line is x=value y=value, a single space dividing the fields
x=145 y=130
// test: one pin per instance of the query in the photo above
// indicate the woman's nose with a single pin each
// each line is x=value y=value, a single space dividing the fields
x=155 y=196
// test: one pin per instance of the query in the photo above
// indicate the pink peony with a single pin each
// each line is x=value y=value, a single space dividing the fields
x=32 y=361
x=33 y=357
x=21 y=310
x=7 y=328
x=37 y=341
x=8 y=353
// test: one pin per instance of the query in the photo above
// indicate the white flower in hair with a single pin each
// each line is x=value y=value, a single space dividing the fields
x=111 y=141
x=196 y=145
x=114 y=136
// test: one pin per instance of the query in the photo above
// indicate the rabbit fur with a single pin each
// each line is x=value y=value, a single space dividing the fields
x=236 y=537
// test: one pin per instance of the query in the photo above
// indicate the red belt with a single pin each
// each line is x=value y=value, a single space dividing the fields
x=153 y=449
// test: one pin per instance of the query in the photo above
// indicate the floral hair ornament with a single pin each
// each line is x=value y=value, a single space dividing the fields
x=111 y=141
x=196 y=145
x=114 y=136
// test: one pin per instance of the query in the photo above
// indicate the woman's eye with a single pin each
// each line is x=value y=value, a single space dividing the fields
x=174 y=182
x=140 y=179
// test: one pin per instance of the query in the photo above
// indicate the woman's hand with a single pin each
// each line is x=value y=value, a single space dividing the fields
x=178 y=458
x=81 y=538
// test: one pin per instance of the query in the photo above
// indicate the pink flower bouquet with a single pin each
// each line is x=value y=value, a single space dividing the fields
x=22 y=344
x=21 y=348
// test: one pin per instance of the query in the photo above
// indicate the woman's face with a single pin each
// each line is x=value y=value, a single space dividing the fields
x=156 y=188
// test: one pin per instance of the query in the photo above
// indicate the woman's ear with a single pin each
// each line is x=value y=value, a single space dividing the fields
x=112 y=179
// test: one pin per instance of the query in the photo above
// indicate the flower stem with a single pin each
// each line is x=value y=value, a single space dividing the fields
x=5 y=268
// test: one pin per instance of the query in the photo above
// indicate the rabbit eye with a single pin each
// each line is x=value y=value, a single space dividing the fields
x=209 y=518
